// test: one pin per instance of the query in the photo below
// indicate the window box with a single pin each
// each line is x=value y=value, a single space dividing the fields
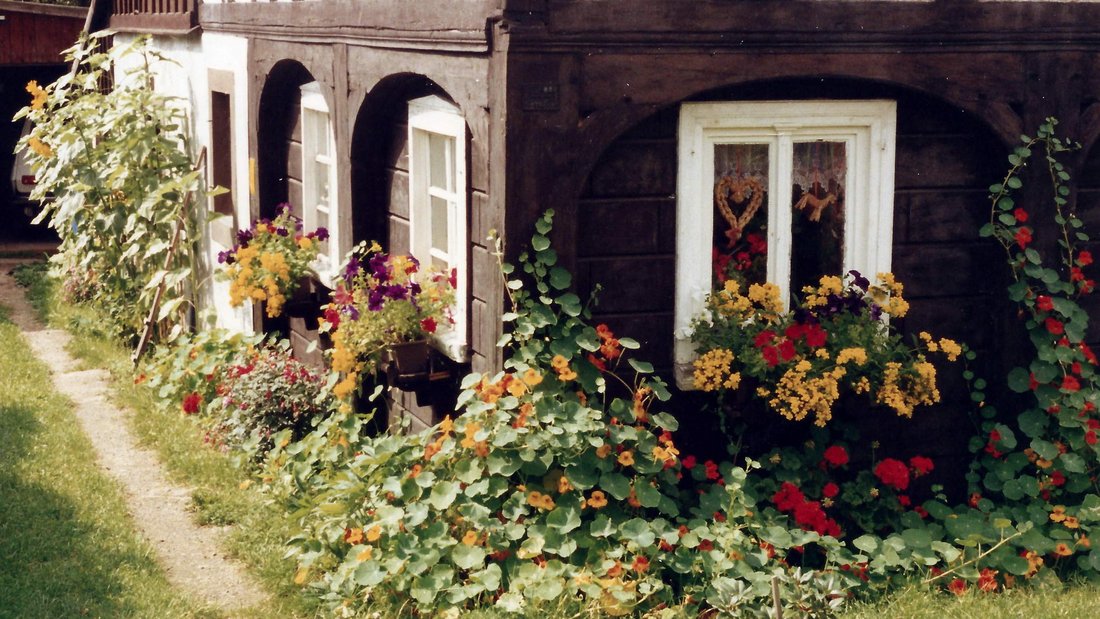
x=779 y=191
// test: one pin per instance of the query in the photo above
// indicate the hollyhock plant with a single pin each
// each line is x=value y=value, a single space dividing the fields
x=381 y=300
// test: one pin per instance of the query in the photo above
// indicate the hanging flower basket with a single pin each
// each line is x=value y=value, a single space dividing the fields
x=409 y=360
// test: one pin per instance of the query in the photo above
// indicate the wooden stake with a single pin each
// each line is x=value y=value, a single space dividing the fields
x=776 y=604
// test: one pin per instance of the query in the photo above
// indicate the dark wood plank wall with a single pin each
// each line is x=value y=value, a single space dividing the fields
x=37 y=38
x=1088 y=209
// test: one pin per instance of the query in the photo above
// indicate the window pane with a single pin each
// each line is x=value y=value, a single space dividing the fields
x=740 y=248
x=316 y=132
x=322 y=222
x=439 y=224
x=441 y=151
x=818 y=178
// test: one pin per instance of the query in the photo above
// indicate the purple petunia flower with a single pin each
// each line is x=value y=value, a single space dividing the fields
x=375 y=300
x=859 y=281
x=352 y=269
x=243 y=237
x=379 y=266
x=281 y=231
x=322 y=233
x=225 y=257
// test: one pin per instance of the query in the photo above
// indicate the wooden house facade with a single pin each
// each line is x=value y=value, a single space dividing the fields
x=905 y=110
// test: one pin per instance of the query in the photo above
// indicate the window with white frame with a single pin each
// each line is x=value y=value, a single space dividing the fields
x=779 y=191
x=437 y=203
x=319 y=176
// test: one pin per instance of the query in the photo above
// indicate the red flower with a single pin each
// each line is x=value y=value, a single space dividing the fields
x=795 y=331
x=788 y=497
x=600 y=365
x=1032 y=382
x=1044 y=303
x=191 y=403
x=786 y=350
x=958 y=586
x=762 y=338
x=816 y=336
x=836 y=456
x=428 y=325
x=1055 y=327
x=904 y=500
x=921 y=465
x=1057 y=479
x=1023 y=237
x=1076 y=274
x=688 y=462
x=706 y=545
x=1020 y=215
x=974 y=498
x=830 y=490
x=987 y=580
x=712 y=470
x=1070 y=383
x=1084 y=258
x=893 y=473
x=640 y=565
x=1089 y=355
x=771 y=356
x=920 y=511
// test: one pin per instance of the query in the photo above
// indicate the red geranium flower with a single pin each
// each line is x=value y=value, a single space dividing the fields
x=893 y=473
x=830 y=490
x=786 y=350
x=771 y=356
x=921 y=465
x=1044 y=303
x=428 y=325
x=762 y=338
x=712 y=470
x=816 y=336
x=191 y=403
x=836 y=455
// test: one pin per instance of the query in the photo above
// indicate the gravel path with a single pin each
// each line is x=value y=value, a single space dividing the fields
x=189 y=553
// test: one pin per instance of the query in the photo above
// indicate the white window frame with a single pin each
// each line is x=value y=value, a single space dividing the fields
x=435 y=116
x=868 y=128
x=313 y=102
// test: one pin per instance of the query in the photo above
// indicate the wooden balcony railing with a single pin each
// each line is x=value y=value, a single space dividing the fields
x=156 y=16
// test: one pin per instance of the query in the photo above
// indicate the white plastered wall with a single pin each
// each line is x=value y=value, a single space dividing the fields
x=184 y=76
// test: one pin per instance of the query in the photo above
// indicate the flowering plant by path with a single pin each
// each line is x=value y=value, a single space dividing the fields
x=836 y=340
x=269 y=260
x=382 y=300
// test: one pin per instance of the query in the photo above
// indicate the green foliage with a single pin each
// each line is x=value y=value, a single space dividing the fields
x=559 y=480
x=193 y=366
x=118 y=184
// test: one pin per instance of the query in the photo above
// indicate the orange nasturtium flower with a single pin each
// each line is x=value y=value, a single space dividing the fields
x=597 y=499
x=626 y=458
x=374 y=533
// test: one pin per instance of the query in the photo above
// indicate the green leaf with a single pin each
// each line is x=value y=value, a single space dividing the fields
x=369 y=573
x=1034 y=422
x=565 y=517
x=1072 y=463
x=641 y=367
x=1019 y=380
x=617 y=485
x=647 y=495
x=601 y=526
x=443 y=495
x=540 y=242
x=560 y=278
x=467 y=557
x=866 y=543
x=638 y=531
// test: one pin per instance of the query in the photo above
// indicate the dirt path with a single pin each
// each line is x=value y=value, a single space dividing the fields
x=189 y=553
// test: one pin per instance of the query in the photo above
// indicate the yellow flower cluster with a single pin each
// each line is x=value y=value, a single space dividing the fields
x=948 y=347
x=903 y=392
x=797 y=395
x=856 y=355
x=40 y=147
x=817 y=297
x=761 y=302
x=260 y=282
x=38 y=95
x=712 y=371
x=888 y=294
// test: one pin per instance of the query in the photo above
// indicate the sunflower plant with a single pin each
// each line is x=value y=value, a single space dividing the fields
x=836 y=339
x=269 y=260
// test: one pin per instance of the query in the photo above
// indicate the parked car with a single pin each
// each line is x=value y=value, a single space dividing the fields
x=23 y=181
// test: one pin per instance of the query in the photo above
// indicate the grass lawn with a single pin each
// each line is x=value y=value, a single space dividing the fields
x=67 y=546
x=261 y=527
